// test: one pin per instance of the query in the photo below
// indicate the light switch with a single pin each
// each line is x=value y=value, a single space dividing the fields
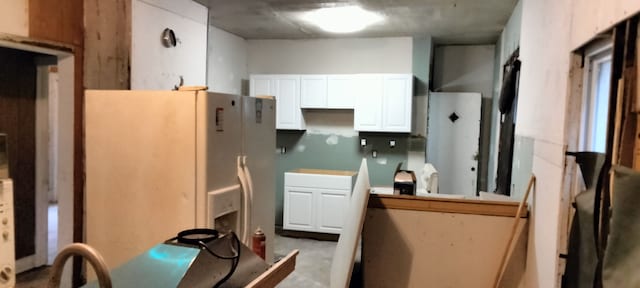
x=374 y=153
x=363 y=142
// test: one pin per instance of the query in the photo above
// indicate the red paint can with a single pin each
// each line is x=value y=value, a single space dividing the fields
x=259 y=243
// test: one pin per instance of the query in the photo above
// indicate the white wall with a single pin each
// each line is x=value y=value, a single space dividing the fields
x=14 y=17
x=464 y=68
x=152 y=65
x=551 y=29
x=227 y=62
x=337 y=56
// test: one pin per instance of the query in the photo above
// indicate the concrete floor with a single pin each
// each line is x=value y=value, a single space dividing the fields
x=313 y=265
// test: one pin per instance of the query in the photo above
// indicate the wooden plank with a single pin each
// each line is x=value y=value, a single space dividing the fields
x=512 y=236
x=276 y=273
x=140 y=174
x=60 y=21
x=107 y=44
x=461 y=206
x=324 y=172
x=636 y=154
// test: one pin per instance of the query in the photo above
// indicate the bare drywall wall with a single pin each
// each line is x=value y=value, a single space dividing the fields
x=551 y=29
x=331 y=56
x=590 y=17
x=14 y=17
x=154 y=66
x=469 y=68
x=227 y=62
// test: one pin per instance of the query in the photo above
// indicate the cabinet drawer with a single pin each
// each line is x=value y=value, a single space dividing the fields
x=318 y=181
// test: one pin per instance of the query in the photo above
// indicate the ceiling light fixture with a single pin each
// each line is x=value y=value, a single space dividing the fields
x=346 y=19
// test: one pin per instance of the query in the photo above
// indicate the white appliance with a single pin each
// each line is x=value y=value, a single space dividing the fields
x=7 y=244
x=159 y=162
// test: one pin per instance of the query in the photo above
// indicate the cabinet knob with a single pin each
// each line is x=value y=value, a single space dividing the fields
x=5 y=235
x=5 y=221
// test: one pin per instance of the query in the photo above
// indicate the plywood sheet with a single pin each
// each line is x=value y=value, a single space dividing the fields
x=140 y=170
x=407 y=248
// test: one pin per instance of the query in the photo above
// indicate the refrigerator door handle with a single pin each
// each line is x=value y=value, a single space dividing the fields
x=244 y=235
x=249 y=180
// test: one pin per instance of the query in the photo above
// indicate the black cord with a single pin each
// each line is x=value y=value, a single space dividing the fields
x=184 y=237
x=234 y=259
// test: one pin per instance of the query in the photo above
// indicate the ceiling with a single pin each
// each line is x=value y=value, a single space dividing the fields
x=447 y=21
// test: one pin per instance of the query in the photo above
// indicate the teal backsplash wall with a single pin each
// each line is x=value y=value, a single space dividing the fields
x=338 y=152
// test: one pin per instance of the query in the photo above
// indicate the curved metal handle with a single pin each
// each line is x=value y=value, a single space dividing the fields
x=87 y=252
x=244 y=234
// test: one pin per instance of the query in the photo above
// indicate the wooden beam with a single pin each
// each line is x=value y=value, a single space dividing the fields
x=276 y=273
x=434 y=204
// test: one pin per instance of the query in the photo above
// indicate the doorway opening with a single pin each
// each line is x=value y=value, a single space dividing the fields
x=36 y=113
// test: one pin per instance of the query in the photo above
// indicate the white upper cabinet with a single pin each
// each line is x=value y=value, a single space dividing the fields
x=313 y=91
x=368 y=109
x=286 y=89
x=341 y=91
x=396 y=107
x=328 y=91
x=383 y=103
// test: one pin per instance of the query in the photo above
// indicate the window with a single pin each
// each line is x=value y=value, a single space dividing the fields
x=595 y=107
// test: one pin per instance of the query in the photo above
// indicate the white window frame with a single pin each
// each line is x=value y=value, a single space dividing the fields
x=595 y=55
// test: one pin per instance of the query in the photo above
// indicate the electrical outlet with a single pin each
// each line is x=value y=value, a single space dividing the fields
x=363 y=142
x=374 y=154
x=392 y=143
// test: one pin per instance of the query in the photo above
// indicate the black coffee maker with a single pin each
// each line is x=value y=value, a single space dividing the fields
x=404 y=181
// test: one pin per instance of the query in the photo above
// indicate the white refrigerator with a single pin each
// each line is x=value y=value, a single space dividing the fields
x=159 y=162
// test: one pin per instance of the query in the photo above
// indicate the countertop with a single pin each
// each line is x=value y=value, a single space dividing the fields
x=324 y=172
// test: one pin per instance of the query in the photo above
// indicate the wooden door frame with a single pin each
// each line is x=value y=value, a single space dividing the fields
x=61 y=122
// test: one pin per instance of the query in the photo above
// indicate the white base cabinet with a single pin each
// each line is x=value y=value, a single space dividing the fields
x=316 y=200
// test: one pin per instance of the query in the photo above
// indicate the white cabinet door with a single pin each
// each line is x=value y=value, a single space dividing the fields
x=397 y=103
x=341 y=91
x=331 y=210
x=299 y=209
x=286 y=89
x=313 y=91
x=368 y=109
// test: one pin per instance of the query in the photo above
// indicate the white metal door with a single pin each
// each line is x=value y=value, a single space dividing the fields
x=452 y=140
